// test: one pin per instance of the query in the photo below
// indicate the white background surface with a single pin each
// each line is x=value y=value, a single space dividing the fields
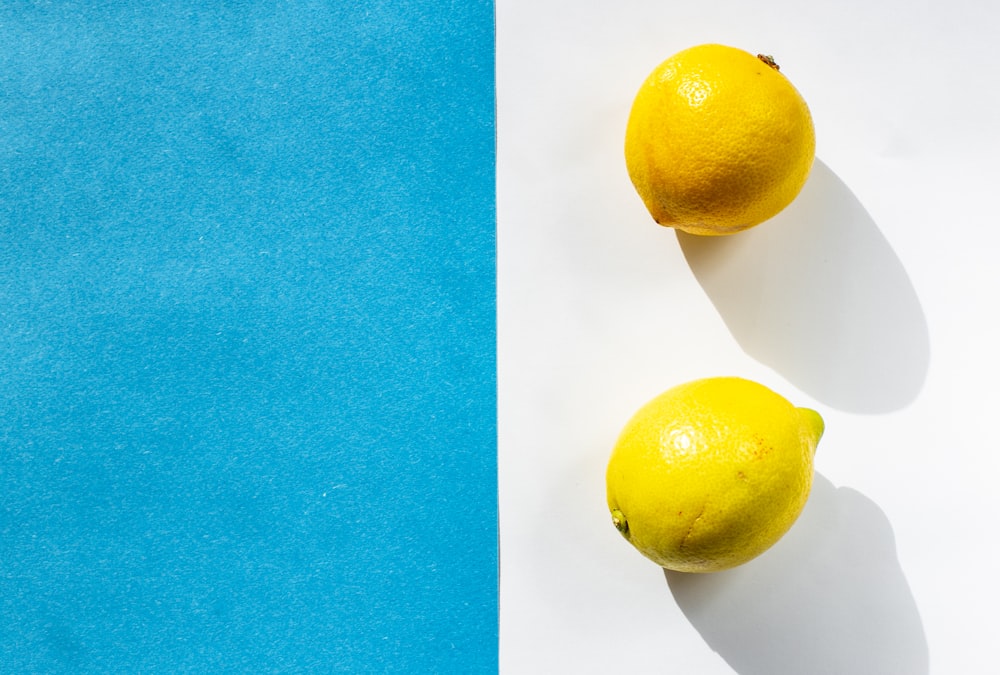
x=871 y=299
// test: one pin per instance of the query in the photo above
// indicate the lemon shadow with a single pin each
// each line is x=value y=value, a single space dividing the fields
x=829 y=598
x=818 y=294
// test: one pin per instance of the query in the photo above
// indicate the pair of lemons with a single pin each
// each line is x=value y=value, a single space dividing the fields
x=712 y=473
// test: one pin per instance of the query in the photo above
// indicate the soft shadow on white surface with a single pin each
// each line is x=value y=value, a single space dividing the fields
x=818 y=294
x=829 y=598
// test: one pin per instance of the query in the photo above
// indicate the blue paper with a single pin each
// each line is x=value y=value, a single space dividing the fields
x=247 y=337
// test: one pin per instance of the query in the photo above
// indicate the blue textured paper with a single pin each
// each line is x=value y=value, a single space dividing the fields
x=247 y=326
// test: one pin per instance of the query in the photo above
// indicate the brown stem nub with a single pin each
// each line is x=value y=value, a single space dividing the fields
x=769 y=60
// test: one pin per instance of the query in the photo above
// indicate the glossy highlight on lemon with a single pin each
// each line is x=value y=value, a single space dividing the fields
x=710 y=474
x=718 y=140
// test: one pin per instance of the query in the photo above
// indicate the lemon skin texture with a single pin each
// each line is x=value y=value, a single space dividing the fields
x=718 y=140
x=710 y=474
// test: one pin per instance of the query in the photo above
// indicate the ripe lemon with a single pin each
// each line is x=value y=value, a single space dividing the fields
x=718 y=141
x=710 y=474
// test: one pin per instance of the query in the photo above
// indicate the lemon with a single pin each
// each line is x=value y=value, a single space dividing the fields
x=710 y=474
x=718 y=141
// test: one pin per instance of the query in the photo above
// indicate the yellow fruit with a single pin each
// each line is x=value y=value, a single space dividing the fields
x=718 y=140
x=710 y=474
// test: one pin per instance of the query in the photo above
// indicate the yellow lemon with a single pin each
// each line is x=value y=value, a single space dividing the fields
x=710 y=474
x=718 y=140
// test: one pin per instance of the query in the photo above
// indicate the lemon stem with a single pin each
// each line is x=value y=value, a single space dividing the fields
x=814 y=425
x=769 y=60
x=618 y=518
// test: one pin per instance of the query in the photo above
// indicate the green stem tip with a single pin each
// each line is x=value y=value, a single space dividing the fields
x=618 y=519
